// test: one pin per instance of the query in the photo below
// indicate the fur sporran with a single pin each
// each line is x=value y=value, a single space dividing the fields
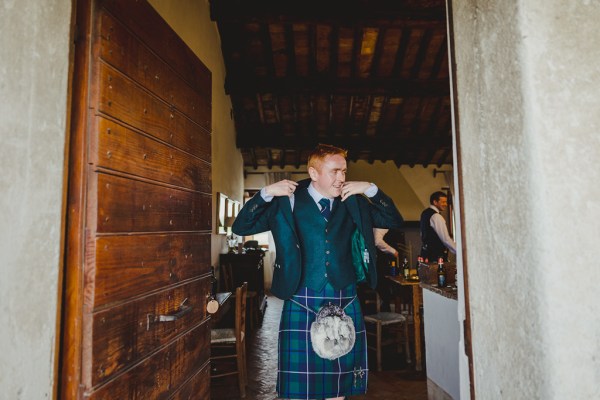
x=332 y=334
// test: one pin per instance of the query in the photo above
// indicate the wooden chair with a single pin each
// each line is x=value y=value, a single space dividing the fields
x=251 y=296
x=397 y=323
x=233 y=338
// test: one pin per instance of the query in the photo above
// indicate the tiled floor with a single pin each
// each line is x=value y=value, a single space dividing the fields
x=396 y=382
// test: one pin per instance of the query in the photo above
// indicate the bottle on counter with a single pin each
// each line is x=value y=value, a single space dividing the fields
x=405 y=268
x=393 y=269
x=441 y=273
x=416 y=270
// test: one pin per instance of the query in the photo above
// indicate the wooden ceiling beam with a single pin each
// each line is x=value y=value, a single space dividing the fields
x=289 y=49
x=441 y=55
x=401 y=53
x=253 y=158
x=391 y=12
x=246 y=85
x=282 y=158
x=273 y=138
x=421 y=54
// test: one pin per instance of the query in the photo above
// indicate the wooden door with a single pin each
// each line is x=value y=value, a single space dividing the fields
x=139 y=217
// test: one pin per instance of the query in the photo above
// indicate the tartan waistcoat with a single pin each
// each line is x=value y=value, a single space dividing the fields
x=325 y=246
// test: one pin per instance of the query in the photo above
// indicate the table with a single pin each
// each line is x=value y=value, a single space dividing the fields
x=417 y=302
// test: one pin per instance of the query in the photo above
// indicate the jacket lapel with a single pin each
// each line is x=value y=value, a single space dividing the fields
x=286 y=210
x=352 y=207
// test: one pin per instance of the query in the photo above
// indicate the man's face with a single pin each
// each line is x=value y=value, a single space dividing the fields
x=330 y=177
x=441 y=204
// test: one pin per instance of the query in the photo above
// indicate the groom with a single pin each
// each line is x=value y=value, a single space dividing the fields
x=313 y=223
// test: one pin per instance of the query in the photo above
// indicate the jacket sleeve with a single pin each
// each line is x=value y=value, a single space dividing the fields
x=383 y=211
x=254 y=216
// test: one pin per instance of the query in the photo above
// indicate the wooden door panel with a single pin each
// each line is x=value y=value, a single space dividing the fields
x=147 y=25
x=126 y=53
x=128 y=205
x=121 y=98
x=148 y=261
x=196 y=388
x=159 y=375
x=124 y=334
x=139 y=210
x=122 y=149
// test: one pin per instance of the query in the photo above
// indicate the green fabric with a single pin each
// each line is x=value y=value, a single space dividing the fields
x=359 y=260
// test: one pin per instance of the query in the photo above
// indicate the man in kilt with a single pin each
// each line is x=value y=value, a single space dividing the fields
x=314 y=224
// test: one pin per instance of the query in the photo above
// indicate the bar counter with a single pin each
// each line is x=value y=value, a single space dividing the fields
x=449 y=291
x=442 y=335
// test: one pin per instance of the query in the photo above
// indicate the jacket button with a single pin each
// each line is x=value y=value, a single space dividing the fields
x=325 y=275
x=327 y=263
x=297 y=245
x=327 y=252
x=326 y=241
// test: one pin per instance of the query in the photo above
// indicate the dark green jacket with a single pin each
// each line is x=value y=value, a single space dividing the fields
x=259 y=216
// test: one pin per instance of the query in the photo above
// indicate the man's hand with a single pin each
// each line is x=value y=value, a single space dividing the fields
x=281 y=188
x=350 y=188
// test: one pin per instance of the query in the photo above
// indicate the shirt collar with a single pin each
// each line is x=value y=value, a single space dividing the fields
x=316 y=195
x=434 y=208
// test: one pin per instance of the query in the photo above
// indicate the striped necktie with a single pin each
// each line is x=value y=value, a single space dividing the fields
x=325 y=209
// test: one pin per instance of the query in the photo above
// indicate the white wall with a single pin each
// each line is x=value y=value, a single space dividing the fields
x=33 y=126
x=528 y=76
x=410 y=188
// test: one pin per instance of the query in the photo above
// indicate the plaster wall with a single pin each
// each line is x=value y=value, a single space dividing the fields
x=410 y=188
x=33 y=124
x=190 y=19
x=528 y=78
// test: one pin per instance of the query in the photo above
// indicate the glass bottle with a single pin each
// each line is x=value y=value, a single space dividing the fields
x=405 y=268
x=441 y=273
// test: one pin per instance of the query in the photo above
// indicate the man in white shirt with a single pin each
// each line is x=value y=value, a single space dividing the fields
x=435 y=239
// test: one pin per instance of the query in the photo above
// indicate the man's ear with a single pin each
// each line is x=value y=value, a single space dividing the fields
x=313 y=173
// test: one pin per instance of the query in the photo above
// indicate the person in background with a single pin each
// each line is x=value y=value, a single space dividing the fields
x=382 y=245
x=385 y=288
x=435 y=239
x=314 y=223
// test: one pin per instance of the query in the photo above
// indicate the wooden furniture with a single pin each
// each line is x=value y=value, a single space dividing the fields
x=139 y=210
x=246 y=267
x=235 y=339
x=386 y=319
x=251 y=296
x=417 y=302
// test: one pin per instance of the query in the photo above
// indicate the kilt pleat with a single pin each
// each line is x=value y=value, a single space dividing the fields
x=302 y=374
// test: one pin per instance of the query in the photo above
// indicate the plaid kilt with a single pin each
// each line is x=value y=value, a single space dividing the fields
x=301 y=373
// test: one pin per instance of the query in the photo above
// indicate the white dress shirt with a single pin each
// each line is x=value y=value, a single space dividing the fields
x=438 y=224
x=316 y=196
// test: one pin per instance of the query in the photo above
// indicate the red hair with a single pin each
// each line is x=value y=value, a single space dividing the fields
x=321 y=151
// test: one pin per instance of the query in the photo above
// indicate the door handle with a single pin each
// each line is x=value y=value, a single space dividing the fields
x=180 y=313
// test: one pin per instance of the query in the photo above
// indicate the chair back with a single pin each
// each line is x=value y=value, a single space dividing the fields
x=369 y=298
x=240 y=312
